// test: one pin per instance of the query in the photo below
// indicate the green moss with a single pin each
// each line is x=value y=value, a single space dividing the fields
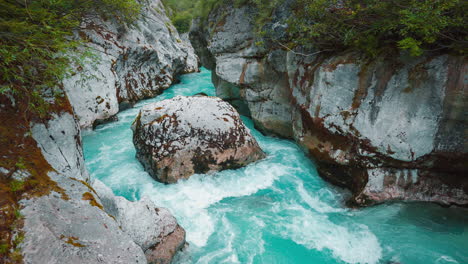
x=20 y=164
x=16 y=185
x=3 y=248
x=18 y=214
x=19 y=238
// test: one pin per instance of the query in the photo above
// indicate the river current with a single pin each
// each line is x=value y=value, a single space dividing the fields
x=277 y=210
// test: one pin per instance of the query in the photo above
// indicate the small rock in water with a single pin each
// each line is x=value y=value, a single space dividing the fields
x=196 y=135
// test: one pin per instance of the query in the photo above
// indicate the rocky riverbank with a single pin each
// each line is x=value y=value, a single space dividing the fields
x=128 y=63
x=50 y=213
x=391 y=128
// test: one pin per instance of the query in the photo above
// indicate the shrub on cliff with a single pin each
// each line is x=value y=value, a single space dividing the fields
x=34 y=36
x=370 y=26
x=373 y=25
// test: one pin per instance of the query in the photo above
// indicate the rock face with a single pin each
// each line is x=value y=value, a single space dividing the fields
x=388 y=129
x=182 y=136
x=154 y=229
x=58 y=216
x=128 y=63
x=70 y=227
x=76 y=223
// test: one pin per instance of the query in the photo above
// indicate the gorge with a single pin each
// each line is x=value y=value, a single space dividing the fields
x=275 y=211
x=365 y=158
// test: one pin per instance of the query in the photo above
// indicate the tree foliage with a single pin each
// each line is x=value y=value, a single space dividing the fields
x=372 y=26
x=36 y=37
x=181 y=13
x=369 y=26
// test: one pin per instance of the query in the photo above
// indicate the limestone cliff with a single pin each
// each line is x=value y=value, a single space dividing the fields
x=128 y=63
x=49 y=211
x=387 y=128
x=70 y=221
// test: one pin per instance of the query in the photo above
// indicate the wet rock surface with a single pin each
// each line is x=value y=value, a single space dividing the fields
x=80 y=223
x=388 y=129
x=182 y=136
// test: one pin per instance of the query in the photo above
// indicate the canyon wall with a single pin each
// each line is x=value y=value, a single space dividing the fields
x=50 y=212
x=127 y=63
x=390 y=128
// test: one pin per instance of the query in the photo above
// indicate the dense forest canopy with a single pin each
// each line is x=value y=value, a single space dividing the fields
x=372 y=26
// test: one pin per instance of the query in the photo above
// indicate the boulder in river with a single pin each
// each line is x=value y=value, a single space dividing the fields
x=179 y=137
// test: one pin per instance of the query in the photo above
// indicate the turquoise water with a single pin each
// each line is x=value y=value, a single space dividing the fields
x=277 y=210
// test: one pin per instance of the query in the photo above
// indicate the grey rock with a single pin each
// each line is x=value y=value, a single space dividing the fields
x=179 y=137
x=4 y=172
x=19 y=175
x=366 y=124
x=60 y=142
x=151 y=228
x=130 y=63
x=69 y=225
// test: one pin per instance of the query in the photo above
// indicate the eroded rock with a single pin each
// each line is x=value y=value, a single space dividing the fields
x=388 y=129
x=182 y=136
x=154 y=229
x=129 y=63
x=69 y=225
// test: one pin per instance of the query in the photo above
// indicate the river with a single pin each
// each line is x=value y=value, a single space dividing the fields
x=277 y=210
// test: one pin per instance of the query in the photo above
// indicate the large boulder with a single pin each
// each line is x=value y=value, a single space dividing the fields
x=182 y=136
x=67 y=224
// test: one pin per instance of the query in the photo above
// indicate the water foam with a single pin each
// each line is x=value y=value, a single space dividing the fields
x=352 y=244
x=190 y=199
x=313 y=201
x=225 y=254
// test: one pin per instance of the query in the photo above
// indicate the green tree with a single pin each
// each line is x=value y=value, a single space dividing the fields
x=181 y=13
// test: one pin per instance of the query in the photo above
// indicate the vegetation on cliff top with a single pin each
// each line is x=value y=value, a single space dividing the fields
x=369 y=26
x=181 y=13
x=36 y=34
x=372 y=26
